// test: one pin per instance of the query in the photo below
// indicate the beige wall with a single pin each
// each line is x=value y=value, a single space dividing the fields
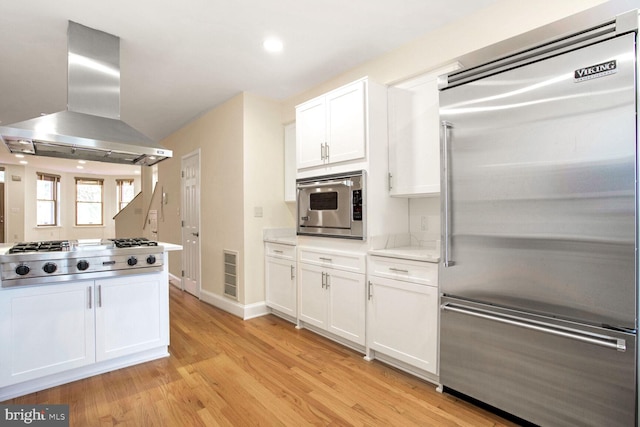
x=263 y=187
x=14 y=196
x=241 y=158
x=218 y=135
x=501 y=20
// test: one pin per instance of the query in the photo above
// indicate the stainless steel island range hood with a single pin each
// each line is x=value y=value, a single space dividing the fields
x=90 y=129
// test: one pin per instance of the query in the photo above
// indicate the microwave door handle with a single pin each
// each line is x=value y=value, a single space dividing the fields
x=346 y=183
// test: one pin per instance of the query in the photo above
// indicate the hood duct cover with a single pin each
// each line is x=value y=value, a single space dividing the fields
x=91 y=128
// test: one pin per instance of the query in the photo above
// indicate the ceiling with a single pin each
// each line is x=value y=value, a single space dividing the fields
x=180 y=59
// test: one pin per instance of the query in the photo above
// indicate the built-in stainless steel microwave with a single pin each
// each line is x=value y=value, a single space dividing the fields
x=332 y=206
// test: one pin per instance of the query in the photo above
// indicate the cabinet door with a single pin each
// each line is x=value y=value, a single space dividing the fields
x=414 y=135
x=310 y=133
x=130 y=314
x=346 y=123
x=346 y=316
x=45 y=330
x=281 y=285
x=313 y=298
x=403 y=322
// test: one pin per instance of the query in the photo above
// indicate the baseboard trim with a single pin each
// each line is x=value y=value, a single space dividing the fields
x=175 y=280
x=234 y=307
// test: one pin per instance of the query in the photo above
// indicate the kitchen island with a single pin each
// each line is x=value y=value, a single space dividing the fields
x=64 y=328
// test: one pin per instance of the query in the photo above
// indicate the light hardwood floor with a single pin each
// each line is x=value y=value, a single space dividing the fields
x=228 y=372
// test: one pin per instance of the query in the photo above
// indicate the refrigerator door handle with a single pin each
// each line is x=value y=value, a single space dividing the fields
x=575 y=334
x=444 y=152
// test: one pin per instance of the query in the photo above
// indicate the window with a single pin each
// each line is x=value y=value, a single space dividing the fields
x=89 y=201
x=47 y=191
x=125 y=191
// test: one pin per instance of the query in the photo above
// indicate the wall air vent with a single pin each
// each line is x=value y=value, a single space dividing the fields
x=231 y=274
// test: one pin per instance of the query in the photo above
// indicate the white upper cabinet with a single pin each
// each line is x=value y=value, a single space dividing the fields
x=414 y=135
x=332 y=128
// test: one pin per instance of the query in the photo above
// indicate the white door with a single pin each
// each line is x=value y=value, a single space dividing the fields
x=191 y=223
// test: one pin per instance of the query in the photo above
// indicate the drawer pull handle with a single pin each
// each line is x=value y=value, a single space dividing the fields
x=278 y=251
x=398 y=270
x=326 y=259
x=544 y=327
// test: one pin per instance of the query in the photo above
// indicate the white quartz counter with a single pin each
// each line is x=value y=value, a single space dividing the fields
x=168 y=247
x=284 y=236
x=409 y=246
x=413 y=253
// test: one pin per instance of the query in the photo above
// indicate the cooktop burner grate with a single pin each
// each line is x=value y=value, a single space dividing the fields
x=49 y=246
x=133 y=242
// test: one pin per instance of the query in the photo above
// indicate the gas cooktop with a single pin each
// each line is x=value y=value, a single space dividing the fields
x=61 y=260
x=70 y=245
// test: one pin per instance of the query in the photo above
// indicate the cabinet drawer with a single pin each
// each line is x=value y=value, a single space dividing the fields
x=348 y=261
x=280 y=251
x=425 y=273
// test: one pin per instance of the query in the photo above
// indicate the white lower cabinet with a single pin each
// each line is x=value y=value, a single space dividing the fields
x=53 y=328
x=280 y=279
x=45 y=330
x=402 y=313
x=332 y=299
x=129 y=318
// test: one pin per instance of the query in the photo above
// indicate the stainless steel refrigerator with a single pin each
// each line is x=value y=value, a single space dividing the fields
x=539 y=258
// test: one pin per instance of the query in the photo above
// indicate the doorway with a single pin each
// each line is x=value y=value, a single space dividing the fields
x=191 y=223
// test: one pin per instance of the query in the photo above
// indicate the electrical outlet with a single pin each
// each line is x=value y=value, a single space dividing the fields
x=424 y=223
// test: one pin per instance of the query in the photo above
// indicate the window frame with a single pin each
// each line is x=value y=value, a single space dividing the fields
x=89 y=181
x=119 y=186
x=42 y=176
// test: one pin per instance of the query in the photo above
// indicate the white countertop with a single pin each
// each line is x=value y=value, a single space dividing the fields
x=413 y=253
x=284 y=236
x=168 y=247
x=291 y=241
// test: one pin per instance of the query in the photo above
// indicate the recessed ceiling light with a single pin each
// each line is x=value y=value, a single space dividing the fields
x=82 y=162
x=24 y=162
x=80 y=167
x=273 y=45
x=20 y=156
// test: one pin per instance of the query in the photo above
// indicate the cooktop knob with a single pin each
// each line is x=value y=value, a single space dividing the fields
x=22 y=270
x=82 y=265
x=50 y=267
x=151 y=259
x=132 y=261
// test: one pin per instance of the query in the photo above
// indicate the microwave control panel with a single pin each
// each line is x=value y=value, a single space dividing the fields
x=357 y=205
